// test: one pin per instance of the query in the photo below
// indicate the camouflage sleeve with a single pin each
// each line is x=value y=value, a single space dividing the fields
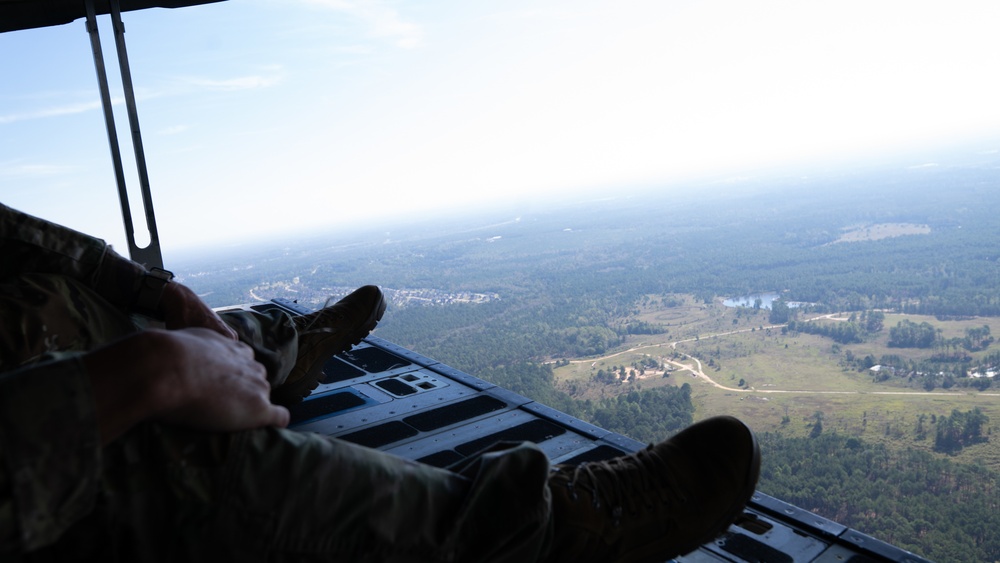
x=49 y=452
x=33 y=245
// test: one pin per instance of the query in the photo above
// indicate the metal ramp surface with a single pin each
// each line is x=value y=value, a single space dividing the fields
x=387 y=397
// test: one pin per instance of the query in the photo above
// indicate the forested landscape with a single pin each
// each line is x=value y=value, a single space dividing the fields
x=581 y=280
x=915 y=500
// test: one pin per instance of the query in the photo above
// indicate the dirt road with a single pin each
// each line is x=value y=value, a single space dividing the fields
x=694 y=366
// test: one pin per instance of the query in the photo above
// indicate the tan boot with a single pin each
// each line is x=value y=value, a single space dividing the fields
x=659 y=503
x=326 y=333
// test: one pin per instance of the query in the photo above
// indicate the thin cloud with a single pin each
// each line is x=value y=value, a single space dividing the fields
x=70 y=108
x=252 y=82
x=20 y=169
x=56 y=111
x=353 y=50
x=174 y=129
x=384 y=22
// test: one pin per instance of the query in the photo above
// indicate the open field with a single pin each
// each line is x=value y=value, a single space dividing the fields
x=881 y=231
x=779 y=382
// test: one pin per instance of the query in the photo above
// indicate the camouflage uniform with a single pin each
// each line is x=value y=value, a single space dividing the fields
x=163 y=493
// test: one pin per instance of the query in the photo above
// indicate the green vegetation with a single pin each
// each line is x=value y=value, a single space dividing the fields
x=908 y=334
x=647 y=416
x=612 y=312
x=944 y=510
x=960 y=429
x=852 y=331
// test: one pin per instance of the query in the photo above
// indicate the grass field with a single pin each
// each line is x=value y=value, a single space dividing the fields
x=788 y=380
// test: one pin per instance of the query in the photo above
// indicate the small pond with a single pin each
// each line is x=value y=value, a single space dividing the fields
x=748 y=300
x=765 y=301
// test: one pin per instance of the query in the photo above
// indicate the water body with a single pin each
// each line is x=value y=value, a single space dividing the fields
x=765 y=301
x=748 y=300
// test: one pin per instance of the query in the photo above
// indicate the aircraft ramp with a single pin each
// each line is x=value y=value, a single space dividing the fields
x=390 y=398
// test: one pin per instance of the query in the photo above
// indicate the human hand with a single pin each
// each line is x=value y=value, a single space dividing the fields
x=213 y=383
x=192 y=377
x=182 y=308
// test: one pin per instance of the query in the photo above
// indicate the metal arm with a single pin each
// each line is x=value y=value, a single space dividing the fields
x=150 y=255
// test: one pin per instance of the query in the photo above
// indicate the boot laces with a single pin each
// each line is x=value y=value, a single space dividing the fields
x=634 y=482
x=319 y=321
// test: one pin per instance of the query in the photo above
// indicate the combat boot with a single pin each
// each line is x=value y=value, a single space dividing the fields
x=658 y=503
x=325 y=333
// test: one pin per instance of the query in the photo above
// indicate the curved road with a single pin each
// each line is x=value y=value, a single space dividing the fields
x=700 y=373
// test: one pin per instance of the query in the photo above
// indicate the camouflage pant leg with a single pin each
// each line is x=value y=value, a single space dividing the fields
x=44 y=313
x=272 y=336
x=274 y=495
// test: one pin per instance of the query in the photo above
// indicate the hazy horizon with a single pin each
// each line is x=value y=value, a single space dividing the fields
x=751 y=183
x=372 y=111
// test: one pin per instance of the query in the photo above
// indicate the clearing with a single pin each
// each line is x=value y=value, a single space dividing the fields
x=737 y=363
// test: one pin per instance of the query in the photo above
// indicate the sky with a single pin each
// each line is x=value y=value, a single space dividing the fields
x=272 y=117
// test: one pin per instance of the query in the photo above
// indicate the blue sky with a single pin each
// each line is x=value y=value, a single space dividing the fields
x=264 y=117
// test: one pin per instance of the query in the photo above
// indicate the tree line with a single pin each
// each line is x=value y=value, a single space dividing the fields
x=939 y=509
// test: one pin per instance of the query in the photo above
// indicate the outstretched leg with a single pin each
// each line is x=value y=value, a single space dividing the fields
x=276 y=495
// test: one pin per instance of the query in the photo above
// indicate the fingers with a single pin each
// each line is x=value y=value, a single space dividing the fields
x=242 y=348
x=226 y=388
x=256 y=376
x=207 y=318
x=279 y=416
x=182 y=308
x=224 y=329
